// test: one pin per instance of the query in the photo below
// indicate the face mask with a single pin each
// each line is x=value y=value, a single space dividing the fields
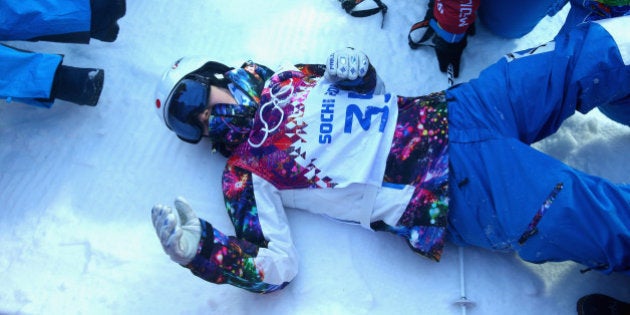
x=229 y=126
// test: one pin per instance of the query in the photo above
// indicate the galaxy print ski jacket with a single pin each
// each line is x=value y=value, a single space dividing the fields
x=335 y=149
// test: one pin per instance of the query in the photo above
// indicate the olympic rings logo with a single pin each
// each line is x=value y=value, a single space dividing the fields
x=278 y=101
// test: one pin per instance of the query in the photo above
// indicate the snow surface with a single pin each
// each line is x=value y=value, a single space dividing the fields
x=77 y=183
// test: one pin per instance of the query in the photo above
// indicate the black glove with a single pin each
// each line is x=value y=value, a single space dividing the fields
x=449 y=53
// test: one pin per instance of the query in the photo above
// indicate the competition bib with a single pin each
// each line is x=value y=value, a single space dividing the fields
x=348 y=135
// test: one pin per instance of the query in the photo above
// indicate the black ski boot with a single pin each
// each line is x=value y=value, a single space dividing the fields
x=599 y=304
x=81 y=86
x=105 y=15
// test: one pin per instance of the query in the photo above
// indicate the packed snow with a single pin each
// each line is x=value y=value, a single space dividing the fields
x=77 y=183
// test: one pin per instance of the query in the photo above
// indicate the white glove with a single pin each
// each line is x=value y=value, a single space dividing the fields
x=346 y=64
x=179 y=234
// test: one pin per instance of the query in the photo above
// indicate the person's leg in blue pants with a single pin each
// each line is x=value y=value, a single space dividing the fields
x=585 y=11
x=26 y=74
x=69 y=21
x=513 y=19
x=38 y=78
x=506 y=195
x=28 y=20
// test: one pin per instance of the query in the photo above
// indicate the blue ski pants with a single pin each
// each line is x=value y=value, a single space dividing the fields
x=28 y=76
x=514 y=19
x=506 y=195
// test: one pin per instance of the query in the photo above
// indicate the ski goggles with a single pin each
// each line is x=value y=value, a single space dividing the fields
x=189 y=98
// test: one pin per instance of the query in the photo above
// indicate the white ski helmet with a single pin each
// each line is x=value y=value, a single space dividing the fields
x=184 y=89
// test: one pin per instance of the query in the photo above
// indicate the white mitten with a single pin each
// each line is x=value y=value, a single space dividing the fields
x=179 y=234
x=346 y=64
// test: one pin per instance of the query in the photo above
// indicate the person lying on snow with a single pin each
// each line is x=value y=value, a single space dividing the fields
x=453 y=165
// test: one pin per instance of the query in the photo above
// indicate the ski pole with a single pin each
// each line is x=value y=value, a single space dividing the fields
x=463 y=301
x=450 y=74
